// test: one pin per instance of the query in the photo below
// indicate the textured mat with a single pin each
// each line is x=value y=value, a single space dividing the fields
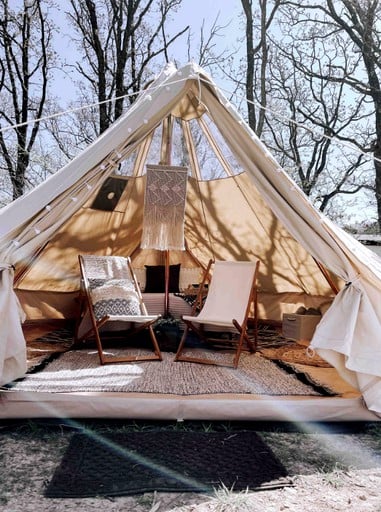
x=166 y=461
x=80 y=371
x=41 y=349
x=294 y=353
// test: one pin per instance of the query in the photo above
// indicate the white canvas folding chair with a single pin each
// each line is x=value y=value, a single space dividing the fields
x=232 y=293
x=111 y=295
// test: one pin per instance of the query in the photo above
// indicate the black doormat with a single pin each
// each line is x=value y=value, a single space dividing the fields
x=120 y=464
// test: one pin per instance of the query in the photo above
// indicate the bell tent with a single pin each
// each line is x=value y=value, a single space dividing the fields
x=240 y=205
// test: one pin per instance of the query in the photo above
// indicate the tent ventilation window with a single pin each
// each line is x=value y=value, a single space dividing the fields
x=109 y=194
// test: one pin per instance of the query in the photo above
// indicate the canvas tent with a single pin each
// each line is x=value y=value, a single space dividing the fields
x=241 y=206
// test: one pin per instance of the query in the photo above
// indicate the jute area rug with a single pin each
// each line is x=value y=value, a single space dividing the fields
x=80 y=371
x=40 y=349
x=270 y=344
x=118 y=464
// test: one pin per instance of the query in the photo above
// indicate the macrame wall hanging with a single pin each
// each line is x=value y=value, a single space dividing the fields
x=164 y=208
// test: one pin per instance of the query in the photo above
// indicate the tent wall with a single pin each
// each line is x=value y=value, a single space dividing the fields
x=220 y=223
x=225 y=219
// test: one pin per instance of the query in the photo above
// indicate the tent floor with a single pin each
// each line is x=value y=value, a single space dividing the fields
x=19 y=405
x=347 y=406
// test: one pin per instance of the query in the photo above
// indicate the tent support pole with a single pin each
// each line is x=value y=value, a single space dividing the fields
x=166 y=296
x=21 y=273
x=193 y=257
x=165 y=159
x=328 y=278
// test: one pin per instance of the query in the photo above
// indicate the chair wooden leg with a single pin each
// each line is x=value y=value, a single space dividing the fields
x=155 y=343
x=182 y=343
x=238 y=350
x=242 y=338
x=127 y=359
x=99 y=347
x=110 y=360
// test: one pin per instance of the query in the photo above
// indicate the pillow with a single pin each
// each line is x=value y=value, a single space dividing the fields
x=155 y=278
x=115 y=297
x=96 y=283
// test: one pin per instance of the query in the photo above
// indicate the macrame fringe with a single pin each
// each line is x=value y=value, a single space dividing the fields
x=163 y=228
x=164 y=208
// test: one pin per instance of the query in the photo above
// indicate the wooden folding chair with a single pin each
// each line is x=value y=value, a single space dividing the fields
x=231 y=296
x=111 y=294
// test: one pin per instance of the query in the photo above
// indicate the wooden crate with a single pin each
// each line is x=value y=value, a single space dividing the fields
x=299 y=327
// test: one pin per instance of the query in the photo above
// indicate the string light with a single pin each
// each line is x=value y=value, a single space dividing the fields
x=179 y=73
x=299 y=125
x=153 y=88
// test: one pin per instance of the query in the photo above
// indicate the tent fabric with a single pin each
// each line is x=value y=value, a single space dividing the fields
x=12 y=343
x=258 y=212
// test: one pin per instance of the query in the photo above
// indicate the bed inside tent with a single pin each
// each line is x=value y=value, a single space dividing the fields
x=226 y=217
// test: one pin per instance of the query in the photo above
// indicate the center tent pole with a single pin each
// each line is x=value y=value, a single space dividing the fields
x=165 y=159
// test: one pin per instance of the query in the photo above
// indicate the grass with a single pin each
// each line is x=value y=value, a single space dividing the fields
x=32 y=449
x=226 y=500
x=302 y=448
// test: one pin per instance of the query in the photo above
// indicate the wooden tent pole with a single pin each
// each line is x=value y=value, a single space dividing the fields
x=23 y=270
x=166 y=305
x=165 y=159
x=328 y=278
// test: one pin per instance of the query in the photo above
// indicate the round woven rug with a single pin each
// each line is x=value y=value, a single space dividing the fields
x=296 y=354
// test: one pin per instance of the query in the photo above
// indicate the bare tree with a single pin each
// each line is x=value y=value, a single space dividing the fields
x=120 y=40
x=25 y=39
x=313 y=113
x=352 y=28
x=257 y=58
x=205 y=47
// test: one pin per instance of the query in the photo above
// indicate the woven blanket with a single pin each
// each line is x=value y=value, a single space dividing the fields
x=80 y=371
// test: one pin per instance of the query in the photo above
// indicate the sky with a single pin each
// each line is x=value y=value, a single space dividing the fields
x=195 y=13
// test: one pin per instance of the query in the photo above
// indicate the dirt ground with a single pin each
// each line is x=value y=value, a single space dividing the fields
x=333 y=468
